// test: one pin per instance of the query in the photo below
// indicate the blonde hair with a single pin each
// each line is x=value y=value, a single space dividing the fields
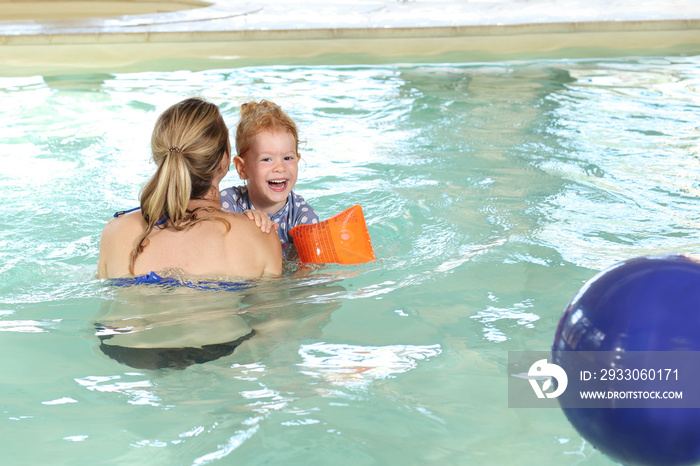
x=262 y=116
x=188 y=143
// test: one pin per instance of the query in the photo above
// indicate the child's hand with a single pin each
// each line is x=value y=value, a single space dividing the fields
x=262 y=220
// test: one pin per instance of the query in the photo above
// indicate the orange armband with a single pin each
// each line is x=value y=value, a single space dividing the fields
x=342 y=239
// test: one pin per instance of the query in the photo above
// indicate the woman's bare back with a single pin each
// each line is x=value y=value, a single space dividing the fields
x=204 y=249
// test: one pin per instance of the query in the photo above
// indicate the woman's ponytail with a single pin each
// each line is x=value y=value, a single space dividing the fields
x=188 y=142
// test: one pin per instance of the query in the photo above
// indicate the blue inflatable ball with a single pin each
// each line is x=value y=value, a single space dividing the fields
x=643 y=304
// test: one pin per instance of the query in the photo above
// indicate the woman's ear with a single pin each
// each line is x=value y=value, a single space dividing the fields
x=225 y=163
x=239 y=163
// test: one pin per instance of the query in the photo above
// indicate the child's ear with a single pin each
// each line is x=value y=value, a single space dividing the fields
x=239 y=163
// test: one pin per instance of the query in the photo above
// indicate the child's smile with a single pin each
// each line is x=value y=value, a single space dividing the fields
x=278 y=185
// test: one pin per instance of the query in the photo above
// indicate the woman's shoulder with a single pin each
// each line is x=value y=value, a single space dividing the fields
x=116 y=243
x=234 y=218
x=242 y=224
x=124 y=223
x=260 y=248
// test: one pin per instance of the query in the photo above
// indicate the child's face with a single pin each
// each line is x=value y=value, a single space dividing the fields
x=271 y=167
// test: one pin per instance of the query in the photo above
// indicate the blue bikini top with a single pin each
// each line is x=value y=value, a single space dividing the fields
x=153 y=278
x=122 y=212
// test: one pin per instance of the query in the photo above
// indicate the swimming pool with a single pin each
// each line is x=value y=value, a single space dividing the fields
x=492 y=191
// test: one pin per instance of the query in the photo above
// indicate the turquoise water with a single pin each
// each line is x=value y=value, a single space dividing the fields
x=492 y=192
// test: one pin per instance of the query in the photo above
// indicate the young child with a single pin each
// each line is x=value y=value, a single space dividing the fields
x=267 y=148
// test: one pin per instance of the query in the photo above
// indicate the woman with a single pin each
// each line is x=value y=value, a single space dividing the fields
x=180 y=224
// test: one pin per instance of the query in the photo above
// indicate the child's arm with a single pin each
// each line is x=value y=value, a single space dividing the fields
x=305 y=214
x=232 y=202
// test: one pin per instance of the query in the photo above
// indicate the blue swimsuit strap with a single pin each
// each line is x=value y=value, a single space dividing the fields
x=153 y=278
x=122 y=212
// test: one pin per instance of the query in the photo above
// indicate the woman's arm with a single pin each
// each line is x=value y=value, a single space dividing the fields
x=106 y=247
x=272 y=255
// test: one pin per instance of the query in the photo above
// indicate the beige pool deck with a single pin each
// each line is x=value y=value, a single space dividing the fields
x=73 y=37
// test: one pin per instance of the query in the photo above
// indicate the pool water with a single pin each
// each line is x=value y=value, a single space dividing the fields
x=492 y=192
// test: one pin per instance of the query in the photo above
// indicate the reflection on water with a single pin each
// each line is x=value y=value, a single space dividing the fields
x=138 y=392
x=356 y=366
